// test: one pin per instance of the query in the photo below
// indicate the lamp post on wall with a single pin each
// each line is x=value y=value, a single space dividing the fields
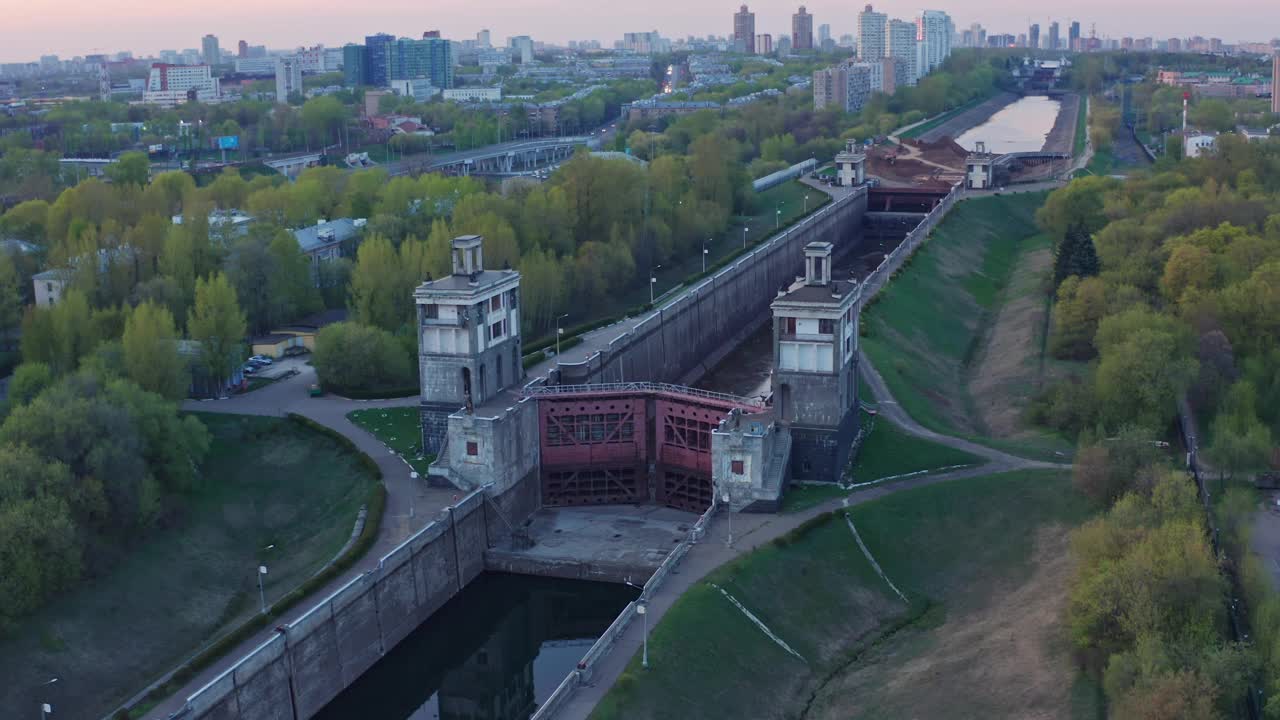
x=642 y=609
x=728 y=515
x=777 y=218
x=262 y=594
x=653 y=280
x=559 y=332
x=704 y=255
x=744 y=236
x=806 y=204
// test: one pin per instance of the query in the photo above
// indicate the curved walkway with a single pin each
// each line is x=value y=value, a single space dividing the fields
x=410 y=503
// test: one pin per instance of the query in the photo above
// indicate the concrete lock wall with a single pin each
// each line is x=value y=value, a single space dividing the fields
x=309 y=661
x=684 y=339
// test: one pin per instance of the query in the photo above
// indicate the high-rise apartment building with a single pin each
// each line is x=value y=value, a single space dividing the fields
x=482 y=40
x=242 y=50
x=1073 y=36
x=934 y=30
x=903 y=47
x=744 y=30
x=873 y=34
x=523 y=47
x=209 y=45
x=802 y=30
x=1053 y=36
x=824 y=33
x=288 y=78
x=1033 y=36
x=430 y=58
x=847 y=86
x=764 y=44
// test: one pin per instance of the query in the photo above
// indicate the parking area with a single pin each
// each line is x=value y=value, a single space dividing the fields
x=282 y=368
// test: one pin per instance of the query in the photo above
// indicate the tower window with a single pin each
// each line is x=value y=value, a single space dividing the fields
x=495 y=303
x=826 y=327
x=737 y=467
x=473 y=449
x=432 y=312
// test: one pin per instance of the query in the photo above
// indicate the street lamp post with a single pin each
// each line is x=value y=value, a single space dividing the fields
x=642 y=609
x=45 y=710
x=777 y=218
x=806 y=204
x=262 y=594
x=559 y=332
x=728 y=515
x=653 y=280
x=704 y=256
x=744 y=237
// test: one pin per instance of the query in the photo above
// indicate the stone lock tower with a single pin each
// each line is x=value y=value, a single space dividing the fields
x=468 y=338
x=815 y=355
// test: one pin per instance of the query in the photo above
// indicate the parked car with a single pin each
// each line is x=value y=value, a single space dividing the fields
x=249 y=369
x=262 y=359
x=254 y=363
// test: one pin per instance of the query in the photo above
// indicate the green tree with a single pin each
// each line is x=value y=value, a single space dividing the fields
x=1076 y=256
x=151 y=354
x=131 y=168
x=218 y=324
x=10 y=295
x=376 y=288
x=354 y=357
x=29 y=380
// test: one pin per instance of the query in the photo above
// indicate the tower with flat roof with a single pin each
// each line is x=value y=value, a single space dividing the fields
x=815 y=354
x=468 y=338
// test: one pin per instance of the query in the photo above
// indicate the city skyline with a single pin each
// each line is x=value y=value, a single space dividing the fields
x=135 y=27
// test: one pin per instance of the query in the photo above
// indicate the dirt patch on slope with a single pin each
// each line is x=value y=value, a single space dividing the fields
x=1003 y=658
x=1007 y=374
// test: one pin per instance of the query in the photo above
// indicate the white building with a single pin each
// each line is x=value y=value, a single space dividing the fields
x=902 y=46
x=1199 y=144
x=873 y=31
x=473 y=94
x=170 y=84
x=256 y=66
x=288 y=78
x=934 y=30
x=523 y=45
x=419 y=90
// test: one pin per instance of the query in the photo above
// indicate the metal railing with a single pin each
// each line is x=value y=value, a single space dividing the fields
x=639 y=387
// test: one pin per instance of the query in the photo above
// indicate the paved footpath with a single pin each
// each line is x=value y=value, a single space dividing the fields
x=410 y=503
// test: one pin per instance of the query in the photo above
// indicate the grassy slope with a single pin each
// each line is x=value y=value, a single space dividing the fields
x=887 y=452
x=398 y=429
x=927 y=326
x=267 y=481
x=1082 y=126
x=945 y=545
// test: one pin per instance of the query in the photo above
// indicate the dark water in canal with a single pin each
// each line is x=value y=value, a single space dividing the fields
x=494 y=652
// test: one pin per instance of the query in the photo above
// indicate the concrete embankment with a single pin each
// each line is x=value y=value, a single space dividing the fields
x=958 y=124
x=1062 y=137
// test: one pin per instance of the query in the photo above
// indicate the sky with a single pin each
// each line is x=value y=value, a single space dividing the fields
x=30 y=28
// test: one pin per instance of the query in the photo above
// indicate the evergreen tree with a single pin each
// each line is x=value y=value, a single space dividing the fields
x=1076 y=256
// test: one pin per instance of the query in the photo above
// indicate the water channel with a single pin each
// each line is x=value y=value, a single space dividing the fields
x=496 y=651
x=1022 y=126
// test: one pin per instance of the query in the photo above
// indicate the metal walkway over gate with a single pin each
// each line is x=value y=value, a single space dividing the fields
x=630 y=443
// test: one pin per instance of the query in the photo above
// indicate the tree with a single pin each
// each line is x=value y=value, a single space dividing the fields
x=39 y=549
x=1080 y=307
x=1183 y=695
x=1076 y=256
x=151 y=354
x=10 y=295
x=131 y=168
x=352 y=357
x=59 y=336
x=376 y=297
x=218 y=324
x=1078 y=205
x=29 y=380
x=1240 y=440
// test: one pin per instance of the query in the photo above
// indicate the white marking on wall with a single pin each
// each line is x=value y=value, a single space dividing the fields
x=871 y=559
x=763 y=628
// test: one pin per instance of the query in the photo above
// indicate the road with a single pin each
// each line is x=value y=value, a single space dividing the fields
x=410 y=503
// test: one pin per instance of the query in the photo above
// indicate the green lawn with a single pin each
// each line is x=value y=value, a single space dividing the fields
x=953 y=548
x=926 y=324
x=399 y=429
x=266 y=482
x=788 y=197
x=887 y=452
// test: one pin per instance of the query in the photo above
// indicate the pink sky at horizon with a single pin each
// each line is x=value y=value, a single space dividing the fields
x=31 y=29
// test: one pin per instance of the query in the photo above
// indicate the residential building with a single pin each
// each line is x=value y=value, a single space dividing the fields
x=482 y=40
x=847 y=86
x=830 y=87
x=243 y=50
x=903 y=46
x=174 y=84
x=209 y=45
x=744 y=31
x=288 y=78
x=873 y=34
x=473 y=94
x=1053 y=36
x=764 y=44
x=255 y=66
x=802 y=30
x=824 y=33
x=1033 y=37
x=1073 y=36
x=523 y=47
x=49 y=286
x=325 y=240
x=934 y=30
x=645 y=43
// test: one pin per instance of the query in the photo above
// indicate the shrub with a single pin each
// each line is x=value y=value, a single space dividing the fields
x=353 y=359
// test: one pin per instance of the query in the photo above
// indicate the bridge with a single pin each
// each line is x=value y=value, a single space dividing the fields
x=599 y=440
x=1031 y=158
x=510 y=158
